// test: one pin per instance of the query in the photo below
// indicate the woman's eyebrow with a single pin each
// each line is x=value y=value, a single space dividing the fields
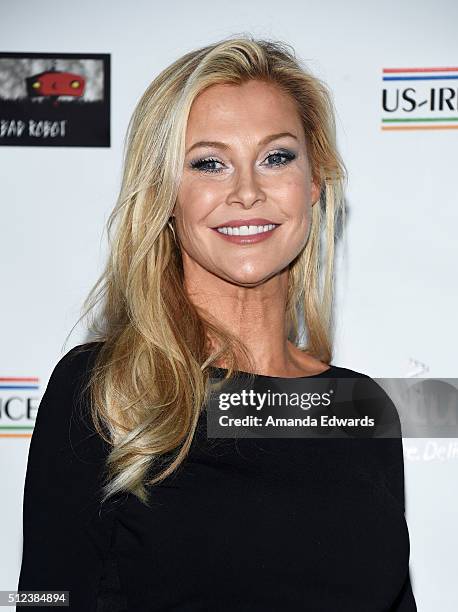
x=223 y=145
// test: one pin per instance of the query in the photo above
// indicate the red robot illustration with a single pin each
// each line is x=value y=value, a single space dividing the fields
x=54 y=83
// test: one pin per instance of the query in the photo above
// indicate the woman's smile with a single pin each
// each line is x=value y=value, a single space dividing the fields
x=246 y=231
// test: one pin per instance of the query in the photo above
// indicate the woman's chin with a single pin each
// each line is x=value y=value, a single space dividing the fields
x=251 y=278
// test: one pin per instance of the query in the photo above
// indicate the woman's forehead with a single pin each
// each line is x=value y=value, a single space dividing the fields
x=254 y=106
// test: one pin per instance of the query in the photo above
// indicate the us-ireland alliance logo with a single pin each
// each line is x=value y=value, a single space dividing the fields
x=420 y=98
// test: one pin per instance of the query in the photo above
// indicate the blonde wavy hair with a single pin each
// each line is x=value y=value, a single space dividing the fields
x=151 y=375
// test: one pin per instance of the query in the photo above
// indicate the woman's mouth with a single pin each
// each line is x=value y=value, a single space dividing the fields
x=246 y=234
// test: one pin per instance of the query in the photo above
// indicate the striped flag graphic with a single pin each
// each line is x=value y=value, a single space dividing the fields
x=420 y=98
x=18 y=385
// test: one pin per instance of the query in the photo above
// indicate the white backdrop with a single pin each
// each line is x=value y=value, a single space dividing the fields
x=397 y=293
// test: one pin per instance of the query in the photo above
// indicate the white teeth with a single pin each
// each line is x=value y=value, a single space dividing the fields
x=246 y=230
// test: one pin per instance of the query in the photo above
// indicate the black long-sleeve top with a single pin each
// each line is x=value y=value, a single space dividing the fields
x=247 y=525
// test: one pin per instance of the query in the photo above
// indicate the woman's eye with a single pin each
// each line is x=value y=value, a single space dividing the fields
x=209 y=164
x=205 y=165
x=280 y=158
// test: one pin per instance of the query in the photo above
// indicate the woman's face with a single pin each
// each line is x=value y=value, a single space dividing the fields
x=246 y=164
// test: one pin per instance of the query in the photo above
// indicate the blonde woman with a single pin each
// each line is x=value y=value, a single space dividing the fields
x=231 y=180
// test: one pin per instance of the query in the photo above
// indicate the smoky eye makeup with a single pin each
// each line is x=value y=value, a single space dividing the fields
x=286 y=154
x=202 y=164
x=209 y=164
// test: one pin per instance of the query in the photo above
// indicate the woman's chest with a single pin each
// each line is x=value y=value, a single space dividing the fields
x=280 y=521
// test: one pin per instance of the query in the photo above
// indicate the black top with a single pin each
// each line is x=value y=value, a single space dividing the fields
x=246 y=525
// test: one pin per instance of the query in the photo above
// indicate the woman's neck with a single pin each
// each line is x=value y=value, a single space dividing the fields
x=255 y=315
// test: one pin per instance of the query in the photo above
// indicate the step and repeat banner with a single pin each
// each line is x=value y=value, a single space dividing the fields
x=70 y=76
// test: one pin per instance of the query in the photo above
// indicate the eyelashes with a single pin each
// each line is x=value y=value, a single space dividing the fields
x=202 y=164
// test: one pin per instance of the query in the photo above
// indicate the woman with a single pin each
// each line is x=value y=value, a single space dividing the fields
x=214 y=267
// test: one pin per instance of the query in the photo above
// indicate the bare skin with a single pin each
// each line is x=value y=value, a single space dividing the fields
x=244 y=286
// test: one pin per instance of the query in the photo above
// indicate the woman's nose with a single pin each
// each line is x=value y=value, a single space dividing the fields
x=247 y=189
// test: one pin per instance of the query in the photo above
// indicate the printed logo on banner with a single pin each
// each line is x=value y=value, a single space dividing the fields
x=420 y=99
x=18 y=406
x=50 y=99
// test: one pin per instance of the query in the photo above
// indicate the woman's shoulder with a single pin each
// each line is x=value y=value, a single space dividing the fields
x=78 y=360
x=63 y=416
x=369 y=397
